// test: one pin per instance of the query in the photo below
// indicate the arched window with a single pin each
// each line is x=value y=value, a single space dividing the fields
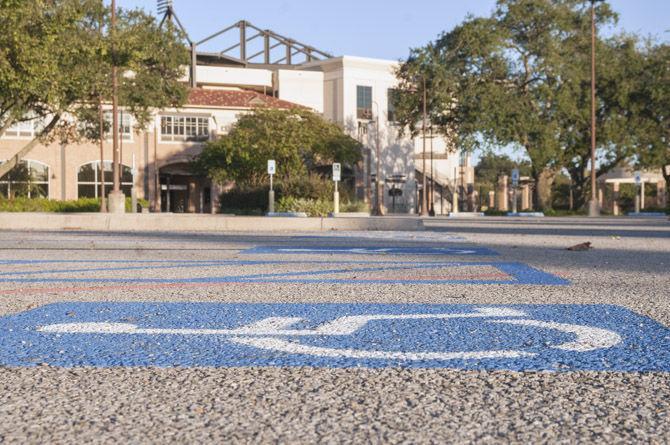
x=28 y=178
x=88 y=179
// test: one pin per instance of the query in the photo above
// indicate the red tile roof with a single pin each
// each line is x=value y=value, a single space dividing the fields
x=236 y=99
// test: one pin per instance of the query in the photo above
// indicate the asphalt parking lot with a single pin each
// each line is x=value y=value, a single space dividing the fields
x=482 y=331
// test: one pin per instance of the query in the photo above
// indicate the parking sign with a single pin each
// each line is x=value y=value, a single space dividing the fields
x=272 y=167
x=337 y=171
x=638 y=177
x=515 y=177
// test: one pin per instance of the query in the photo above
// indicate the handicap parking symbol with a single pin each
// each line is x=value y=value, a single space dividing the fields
x=513 y=337
x=370 y=250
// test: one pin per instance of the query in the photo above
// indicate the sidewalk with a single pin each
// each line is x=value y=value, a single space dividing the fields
x=152 y=222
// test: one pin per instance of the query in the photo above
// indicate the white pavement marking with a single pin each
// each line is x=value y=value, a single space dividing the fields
x=276 y=344
x=371 y=250
x=273 y=325
x=263 y=335
x=588 y=338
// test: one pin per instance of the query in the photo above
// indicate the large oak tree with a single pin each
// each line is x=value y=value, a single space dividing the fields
x=55 y=67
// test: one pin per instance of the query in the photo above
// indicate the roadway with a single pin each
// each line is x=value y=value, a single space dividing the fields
x=483 y=330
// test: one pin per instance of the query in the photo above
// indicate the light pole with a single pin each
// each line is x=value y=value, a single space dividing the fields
x=379 y=208
x=431 y=210
x=424 y=197
x=594 y=210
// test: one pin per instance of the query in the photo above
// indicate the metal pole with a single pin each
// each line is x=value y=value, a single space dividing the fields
x=101 y=117
x=115 y=118
x=379 y=210
x=431 y=210
x=424 y=197
x=593 y=204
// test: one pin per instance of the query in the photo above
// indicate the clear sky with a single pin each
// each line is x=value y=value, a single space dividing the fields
x=372 y=28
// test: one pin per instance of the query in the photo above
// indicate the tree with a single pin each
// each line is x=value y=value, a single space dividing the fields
x=503 y=78
x=491 y=166
x=653 y=98
x=299 y=140
x=55 y=63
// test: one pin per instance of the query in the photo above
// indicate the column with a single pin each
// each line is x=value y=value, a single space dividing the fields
x=642 y=195
x=492 y=199
x=615 y=198
x=525 y=197
x=192 y=196
x=662 y=197
x=503 y=200
x=600 y=197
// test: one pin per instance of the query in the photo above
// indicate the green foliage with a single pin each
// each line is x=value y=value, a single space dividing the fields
x=299 y=140
x=491 y=166
x=245 y=200
x=46 y=205
x=508 y=79
x=23 y=204
x=318 y=206
x=56 y=59
x=253 y=200
x=312 y=207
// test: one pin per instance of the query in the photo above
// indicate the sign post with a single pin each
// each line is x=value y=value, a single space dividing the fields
x=272 y=169
x=515 y=186
x=337 y=177
x=638 y=189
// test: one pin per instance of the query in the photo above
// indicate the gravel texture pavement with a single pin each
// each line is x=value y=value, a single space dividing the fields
x=629 y=266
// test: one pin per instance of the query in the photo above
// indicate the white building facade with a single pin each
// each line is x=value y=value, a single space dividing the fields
x=354 y=92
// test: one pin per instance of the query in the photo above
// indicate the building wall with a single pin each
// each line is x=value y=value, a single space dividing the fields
x=301 y=87
x=342 y=77
x=328 y=87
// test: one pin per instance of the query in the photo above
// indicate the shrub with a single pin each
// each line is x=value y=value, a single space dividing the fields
x=82 y=205
x=245 y=201
x=312 y=207
x=45 y=205
x=354 y=207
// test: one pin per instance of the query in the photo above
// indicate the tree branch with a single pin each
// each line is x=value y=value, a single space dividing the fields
x=14 y=160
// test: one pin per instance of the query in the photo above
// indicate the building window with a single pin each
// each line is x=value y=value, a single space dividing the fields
x=392 y=98
x=25 y=129
x=183 y=128
x=125 y=125
x=89 y=179
x=363 y=102
x=28 y=179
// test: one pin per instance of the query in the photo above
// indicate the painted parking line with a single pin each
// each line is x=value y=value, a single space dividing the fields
x=340 y=272
x=369 y=250
x=514 y=337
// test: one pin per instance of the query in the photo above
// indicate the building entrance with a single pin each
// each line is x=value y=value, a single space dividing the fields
x=183 y=192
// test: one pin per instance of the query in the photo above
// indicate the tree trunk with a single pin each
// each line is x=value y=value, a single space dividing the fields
x=12 y=162
x=544 y=181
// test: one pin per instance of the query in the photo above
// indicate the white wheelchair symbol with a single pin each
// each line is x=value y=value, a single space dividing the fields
x=269 y=333
x=370 y=250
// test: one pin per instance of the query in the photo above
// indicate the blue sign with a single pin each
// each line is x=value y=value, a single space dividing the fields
x=302 y=272
x=513 y=337
x=369 y=250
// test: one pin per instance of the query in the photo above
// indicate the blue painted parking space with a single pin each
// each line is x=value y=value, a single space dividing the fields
x=512 y=337
x=369 y=250
x=339 y=272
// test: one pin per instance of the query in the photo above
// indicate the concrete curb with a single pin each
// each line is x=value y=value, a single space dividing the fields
x=167 y=222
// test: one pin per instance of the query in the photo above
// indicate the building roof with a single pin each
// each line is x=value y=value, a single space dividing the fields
x=236 y=99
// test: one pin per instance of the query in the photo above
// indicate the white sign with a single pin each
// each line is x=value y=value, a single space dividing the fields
x=337 y=172
x=515 y=177
x=272 y=166
x=638 y=177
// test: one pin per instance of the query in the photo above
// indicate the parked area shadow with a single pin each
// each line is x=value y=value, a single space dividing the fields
x=641 y=229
